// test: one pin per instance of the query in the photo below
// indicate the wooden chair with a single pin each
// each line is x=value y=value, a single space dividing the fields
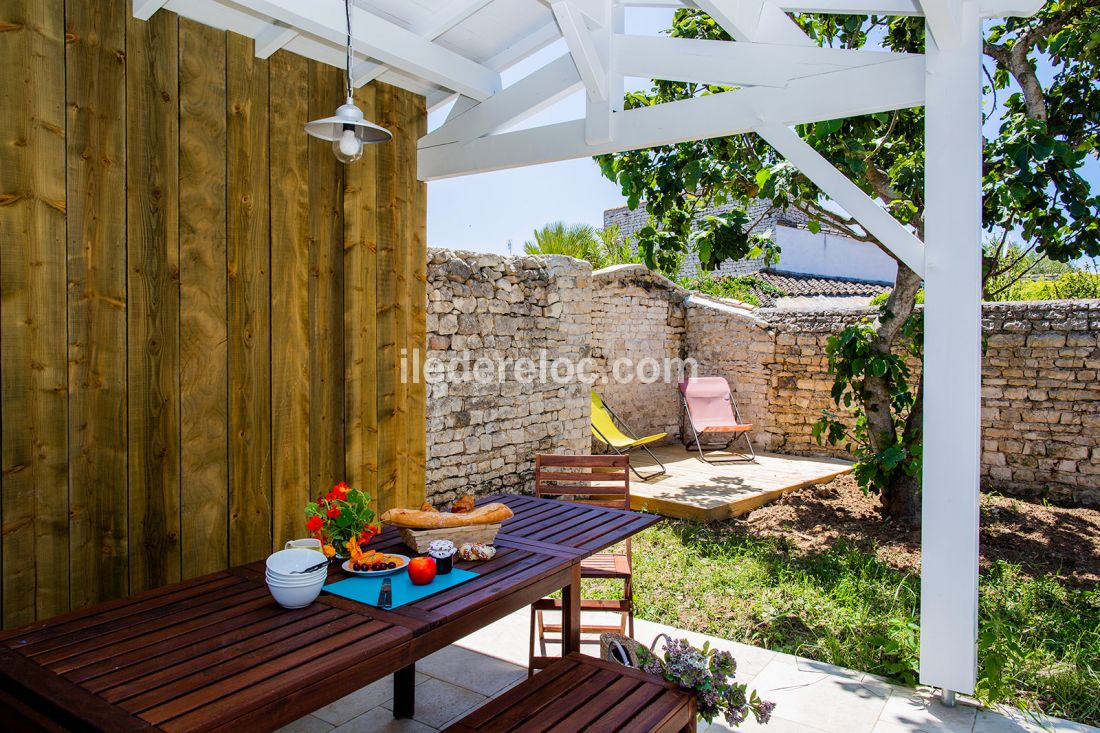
x=597 y=481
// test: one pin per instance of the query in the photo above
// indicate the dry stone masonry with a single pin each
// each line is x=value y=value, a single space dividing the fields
x=637 y=315
x=483 y=433
x=1041 y=396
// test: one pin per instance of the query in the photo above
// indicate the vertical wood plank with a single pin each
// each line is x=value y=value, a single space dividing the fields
x=203 y=367
x=96 y=94
x=414 y=125
x=389 y=232
x=290 y=276
x=404 y=179
x=326 y=308
x=360 y=288
x=249 y=311
x=33 y=396
x=152 y=182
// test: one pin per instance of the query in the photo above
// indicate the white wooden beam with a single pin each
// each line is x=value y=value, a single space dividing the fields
x=942 y=19
x=988 y=8
x=754 y=20
x=528 y=96
x=601 y=114
x=952 y=357
x=272 y=39
x=438 y=98
x=144 y=9
x=1009 y=8
x=387 y=42
x=852 y=7
x=858 y=91
x=538 y=39
x=461 y=106
x=582 y=48
x=734 y=64
x=431 y=29
x=837 y=186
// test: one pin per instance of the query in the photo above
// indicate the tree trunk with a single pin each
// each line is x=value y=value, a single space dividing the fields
x=901 y=498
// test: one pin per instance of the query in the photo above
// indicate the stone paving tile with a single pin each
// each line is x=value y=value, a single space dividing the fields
x=380 y=720
x=360 y=701
x=1011 y=720
x=806 y=693
x=308 y=724
x=775 y=725
x=471 y=670
x=438 y=702
x=920 y=710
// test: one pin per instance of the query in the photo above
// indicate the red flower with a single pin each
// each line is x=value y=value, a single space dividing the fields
x=333 y=512
x=315 y=523
x=340 y=491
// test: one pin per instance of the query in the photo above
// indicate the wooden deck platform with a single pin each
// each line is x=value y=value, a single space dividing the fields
x=696 y=490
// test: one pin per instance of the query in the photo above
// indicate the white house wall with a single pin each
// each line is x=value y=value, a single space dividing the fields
x=832 y=255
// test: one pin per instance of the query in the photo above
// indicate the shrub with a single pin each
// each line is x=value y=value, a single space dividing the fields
x=745 y=288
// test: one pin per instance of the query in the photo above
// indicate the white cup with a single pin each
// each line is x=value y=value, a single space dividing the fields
x=308 y=543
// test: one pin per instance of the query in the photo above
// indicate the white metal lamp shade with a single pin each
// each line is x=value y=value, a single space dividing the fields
x=349 y=131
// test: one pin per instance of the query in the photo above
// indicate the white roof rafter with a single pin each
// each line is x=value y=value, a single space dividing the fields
x=389 y=43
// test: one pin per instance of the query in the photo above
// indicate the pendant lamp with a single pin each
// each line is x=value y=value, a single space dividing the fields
x=348 y=130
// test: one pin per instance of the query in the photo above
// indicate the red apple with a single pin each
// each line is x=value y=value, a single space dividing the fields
x=422 y=570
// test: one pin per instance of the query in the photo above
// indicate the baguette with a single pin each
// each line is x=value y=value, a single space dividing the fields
x=416 y=519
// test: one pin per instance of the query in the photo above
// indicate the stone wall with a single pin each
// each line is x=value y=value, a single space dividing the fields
x=1041 y=396
x=727 y=339
x=1041 y=400
x=637 y=314
x=800 y=381
x=484 y=431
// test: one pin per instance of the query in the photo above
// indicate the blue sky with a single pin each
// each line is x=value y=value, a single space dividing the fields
x=485 y=212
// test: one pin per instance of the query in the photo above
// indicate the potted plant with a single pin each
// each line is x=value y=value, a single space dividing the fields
x=708 y=674
x=339 y=517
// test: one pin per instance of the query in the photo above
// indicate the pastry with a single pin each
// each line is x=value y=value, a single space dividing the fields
x=463 y=505
x=427 y=507
x=415 y=519
x=474 y=551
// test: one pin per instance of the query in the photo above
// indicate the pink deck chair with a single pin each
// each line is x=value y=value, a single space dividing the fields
x=711 y=410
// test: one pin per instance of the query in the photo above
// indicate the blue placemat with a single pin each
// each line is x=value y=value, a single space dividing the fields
x=365 y=590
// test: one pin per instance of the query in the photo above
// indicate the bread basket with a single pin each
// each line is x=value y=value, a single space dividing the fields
x=419 y=539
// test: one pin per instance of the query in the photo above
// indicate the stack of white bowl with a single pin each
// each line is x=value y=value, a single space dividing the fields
x=295 y=589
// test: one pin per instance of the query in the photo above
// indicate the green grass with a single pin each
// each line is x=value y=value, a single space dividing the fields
x=1040 y=645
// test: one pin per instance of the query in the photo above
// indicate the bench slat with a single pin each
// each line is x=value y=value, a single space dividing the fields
x=579 y=693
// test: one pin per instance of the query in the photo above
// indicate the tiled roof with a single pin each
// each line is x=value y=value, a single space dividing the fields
x=808 y=286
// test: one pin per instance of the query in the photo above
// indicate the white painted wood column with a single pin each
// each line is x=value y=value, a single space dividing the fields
x=952 y=360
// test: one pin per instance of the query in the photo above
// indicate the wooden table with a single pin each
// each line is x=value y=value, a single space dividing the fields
x=216 y=653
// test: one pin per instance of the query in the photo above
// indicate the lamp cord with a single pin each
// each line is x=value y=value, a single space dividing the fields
x=347 y=9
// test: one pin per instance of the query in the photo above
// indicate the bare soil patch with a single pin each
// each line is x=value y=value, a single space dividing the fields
x=1042 y=539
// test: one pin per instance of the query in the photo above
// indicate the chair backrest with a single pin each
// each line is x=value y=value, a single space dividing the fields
x=604 y=428
x=708 y=398
x=595 y=480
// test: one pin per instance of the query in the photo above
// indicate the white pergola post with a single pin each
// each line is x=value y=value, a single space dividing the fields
x=952 y=359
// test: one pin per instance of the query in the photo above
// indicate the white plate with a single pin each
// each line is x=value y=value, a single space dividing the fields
x=347 y=567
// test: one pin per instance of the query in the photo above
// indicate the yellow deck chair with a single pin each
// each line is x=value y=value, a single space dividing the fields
x=605 y=428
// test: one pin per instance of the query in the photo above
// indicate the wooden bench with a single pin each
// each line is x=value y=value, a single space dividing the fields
x=580 y=693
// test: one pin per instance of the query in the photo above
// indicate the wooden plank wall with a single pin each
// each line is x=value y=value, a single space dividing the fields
x=204 y=316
